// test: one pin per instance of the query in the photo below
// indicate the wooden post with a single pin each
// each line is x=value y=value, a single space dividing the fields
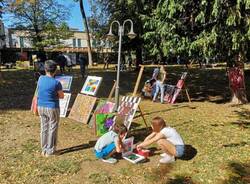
x=138 y=80
x=142 y=115
x=187 y=93
x=135 y=91
x=112 y=91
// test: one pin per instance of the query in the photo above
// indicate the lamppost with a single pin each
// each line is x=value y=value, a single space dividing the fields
x=131 y=35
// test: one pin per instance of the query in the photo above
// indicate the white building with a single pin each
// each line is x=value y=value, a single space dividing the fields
x=18 y=38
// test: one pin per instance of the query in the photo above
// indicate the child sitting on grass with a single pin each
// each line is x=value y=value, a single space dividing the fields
x=168 y=139
x=110 y=143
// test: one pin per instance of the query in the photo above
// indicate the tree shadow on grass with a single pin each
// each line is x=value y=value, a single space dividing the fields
x=189 y=153
x=244 y=119
x=165 y=110
x=240 y=173
x=236 y=144
x=180 y=180
x=18 y=86
x=76 y=148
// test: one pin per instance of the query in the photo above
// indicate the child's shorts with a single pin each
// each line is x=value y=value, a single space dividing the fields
x=105 y=151
x=179 y=150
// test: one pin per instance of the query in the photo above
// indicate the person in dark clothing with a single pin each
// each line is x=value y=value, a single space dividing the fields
x=61 y=61
x=83 y=63
x=106 y=62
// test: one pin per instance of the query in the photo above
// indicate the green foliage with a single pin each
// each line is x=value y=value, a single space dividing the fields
x=204 y=28
x=45 y=20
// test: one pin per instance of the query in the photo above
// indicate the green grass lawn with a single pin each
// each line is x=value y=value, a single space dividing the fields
x=217 y=134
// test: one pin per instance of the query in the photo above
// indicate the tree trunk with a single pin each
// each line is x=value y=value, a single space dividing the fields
x=1 y=76
x=237 y=82
x=138 y=58
x=87 y=31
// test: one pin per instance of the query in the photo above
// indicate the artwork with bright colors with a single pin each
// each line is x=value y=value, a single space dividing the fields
x=65 y=80
x=63 y=104
x=91 y=85
x=128 y=153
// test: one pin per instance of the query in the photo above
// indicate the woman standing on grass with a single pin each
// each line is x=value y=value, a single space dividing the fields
x=49 y=92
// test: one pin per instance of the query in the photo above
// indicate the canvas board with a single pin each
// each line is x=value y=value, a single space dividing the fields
x=65 y=80
x=82 y=108
x=170 y=89
x=91 y=85
x=63 y=104
x=128 y=108
x=175 y=95
x=128 y=154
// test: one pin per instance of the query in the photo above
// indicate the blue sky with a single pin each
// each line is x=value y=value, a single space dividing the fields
x=75 y=21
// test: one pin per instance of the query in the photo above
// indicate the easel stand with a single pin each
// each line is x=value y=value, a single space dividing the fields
x=137 y=86
x=186 y=93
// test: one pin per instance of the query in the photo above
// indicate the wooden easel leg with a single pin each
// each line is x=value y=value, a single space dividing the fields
x=142 y=115
x=112 y=91
x=187 y=95
x=138 y=80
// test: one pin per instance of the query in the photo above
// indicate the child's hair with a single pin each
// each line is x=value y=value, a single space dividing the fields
x=120 y=129
x=50 y=66
x=158 y=123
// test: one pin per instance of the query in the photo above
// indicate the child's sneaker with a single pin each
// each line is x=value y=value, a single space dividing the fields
x=167 y=159
x=110 y=160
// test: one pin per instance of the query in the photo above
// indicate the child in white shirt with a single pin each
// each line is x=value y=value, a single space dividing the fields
x=168 y=139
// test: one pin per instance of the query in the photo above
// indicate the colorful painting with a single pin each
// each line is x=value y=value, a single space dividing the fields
x=172 y=92
x=128 y=146
x=65 y=80
x=103 y=123
x=169 y=91
x=128 y=154
x=91 y=85
x=176 y=94
x=82 y=108
x=63 y=104
x=127 y=109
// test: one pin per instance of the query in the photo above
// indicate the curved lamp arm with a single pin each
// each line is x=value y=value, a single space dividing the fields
x=111 y=26
x=131 y=33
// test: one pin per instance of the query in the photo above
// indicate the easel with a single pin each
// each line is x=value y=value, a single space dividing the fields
x=153 y=66
x=141 y=113
x=137 y=86
x=112 y=91
x=186 y=92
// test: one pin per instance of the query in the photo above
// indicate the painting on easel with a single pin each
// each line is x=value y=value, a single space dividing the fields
x=127 y=109
x=65 y=81
x=91 y=85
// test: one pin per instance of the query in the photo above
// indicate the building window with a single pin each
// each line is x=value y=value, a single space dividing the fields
x=74 y=42
x=21 y=42
x=79 y=42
